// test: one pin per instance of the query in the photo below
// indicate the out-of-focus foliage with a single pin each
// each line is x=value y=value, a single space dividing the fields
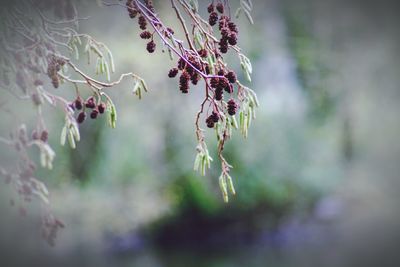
x=312 y=70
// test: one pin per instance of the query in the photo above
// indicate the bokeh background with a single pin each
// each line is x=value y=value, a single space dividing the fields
x=317 y=178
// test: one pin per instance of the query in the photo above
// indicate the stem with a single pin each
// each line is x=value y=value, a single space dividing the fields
x=180 y=18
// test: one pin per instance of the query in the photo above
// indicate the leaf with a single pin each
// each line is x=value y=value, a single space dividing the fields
x=241 y=120
x=171 y=56
x=106 y=69
x=249 y=116
x=234 y=122
x=223 y=187
x=247 y=13
x=208 y=159
x=245 y=126
x=75 y=131
x=78 y=39
x=194 y=5
x=111 y=59
x=249 y=3
x=136 y=85
x=245 y=5
x=42 y=187
x=41 y=196
x=198 y=39
x=139 y=92
x=254 y=97
x=63 y=136
x=71 y=140
x=101 y=65
x=94 y=48
x=247 y=62
x=112 y=114
x=48 y=99
x=197 y=162
x=87 y=46
x=143 y=83
x=246 y=71
x=203 y=165
x=230 y=184
x=238 y=12
x=46 y=154
x=98 y=63
x=76 y=52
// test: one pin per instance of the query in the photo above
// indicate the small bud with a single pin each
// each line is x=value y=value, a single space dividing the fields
x=44 y=136
x=101 y=108
x=81 y=117
x=71 y=106
x=181 y=64
x=36 y=99
x=90 y=103
x=78 y=103
x=210 y=121
x=35 y=135
x=203 y=53
x=55 y=81
x=220 y=8
x=94 y=113
x=207 y=69
x=229 y=88
x=215 y=116
x=170 y=31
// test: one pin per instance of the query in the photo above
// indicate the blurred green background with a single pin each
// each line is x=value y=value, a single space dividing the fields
x=317 y=179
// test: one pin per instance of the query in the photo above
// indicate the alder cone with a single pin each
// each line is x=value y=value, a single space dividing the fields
x=151 y=46
x=231 y=76
x=232 y=106
x=145 y=35
x=212 y=20
x=173 y=72
x=184 y=82
x=142 y=22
